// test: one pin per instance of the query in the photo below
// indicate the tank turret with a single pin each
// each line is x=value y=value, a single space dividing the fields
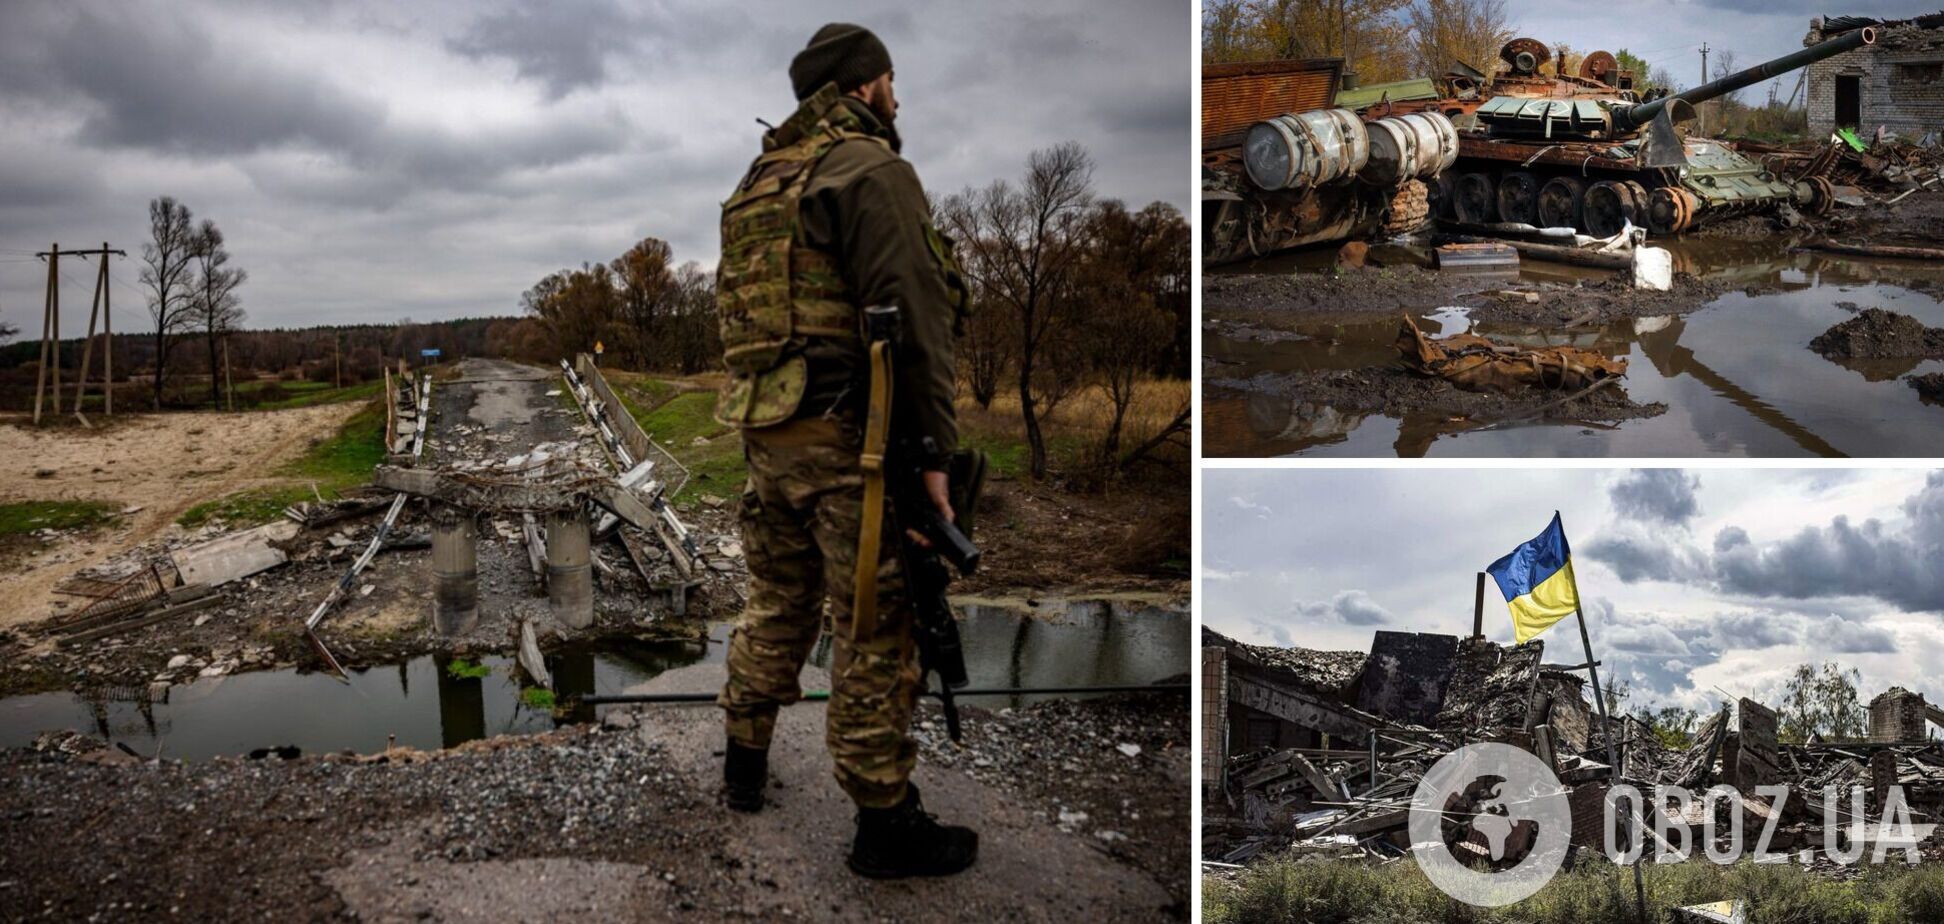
x=1599 y=104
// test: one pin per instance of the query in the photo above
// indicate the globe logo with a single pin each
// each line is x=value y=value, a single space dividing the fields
x=1490 y=824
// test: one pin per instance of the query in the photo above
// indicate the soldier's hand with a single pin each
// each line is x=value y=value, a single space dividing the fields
x=938 y=488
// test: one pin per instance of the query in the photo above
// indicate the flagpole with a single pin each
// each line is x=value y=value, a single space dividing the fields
x=1606 y=723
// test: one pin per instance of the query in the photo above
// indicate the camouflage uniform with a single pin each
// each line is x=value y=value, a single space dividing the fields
x=858 y=233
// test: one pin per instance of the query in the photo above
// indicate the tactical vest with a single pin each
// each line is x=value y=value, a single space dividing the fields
x=772 y=289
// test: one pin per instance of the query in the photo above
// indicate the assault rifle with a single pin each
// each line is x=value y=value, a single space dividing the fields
x=925 y=573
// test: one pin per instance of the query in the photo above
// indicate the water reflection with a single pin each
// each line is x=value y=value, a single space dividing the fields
x=1738 y=377
x=423 y=703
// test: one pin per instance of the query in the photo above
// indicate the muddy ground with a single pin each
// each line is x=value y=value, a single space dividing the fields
x=1878 y=334
x=1302 y=298
x=1385 y=389
x=1083 y=809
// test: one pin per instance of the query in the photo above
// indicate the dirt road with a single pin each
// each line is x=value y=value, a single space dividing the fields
x=161 y=463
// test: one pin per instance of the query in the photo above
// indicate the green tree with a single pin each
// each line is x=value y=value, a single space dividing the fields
x=1638 y=67
x=1821 y=702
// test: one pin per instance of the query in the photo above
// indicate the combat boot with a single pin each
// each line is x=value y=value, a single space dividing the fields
x=745 y=771
x=905 y=840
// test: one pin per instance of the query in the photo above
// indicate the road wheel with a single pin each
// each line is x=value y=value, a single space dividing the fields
x=1410 y=209
x=1560 y=202
x=1822 y=196
x=1473 y=200
x=1670 y=210
x=1518 y=197
x=1606 y=209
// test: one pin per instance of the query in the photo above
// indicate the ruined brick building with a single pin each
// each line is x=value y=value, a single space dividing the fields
x=1897 y=83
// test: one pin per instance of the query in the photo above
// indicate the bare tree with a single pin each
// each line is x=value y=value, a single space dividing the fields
x=8 y=331
x=165 y=272
x=1444 y=31
x=213 y=305
x=1021 y=249
x=1123 y=336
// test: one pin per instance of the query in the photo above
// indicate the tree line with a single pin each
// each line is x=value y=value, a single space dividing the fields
x=645 y=312
x=1070 y=292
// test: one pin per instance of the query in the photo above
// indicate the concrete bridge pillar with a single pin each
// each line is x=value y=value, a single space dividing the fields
x=570 y=571
x=455 y=571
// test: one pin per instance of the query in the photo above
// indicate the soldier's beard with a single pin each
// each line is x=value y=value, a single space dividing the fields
x=889 y=116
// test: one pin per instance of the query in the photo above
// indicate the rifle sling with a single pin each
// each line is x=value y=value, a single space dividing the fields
x=870 y=533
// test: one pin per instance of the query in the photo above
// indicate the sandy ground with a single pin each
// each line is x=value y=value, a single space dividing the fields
x=161 y=463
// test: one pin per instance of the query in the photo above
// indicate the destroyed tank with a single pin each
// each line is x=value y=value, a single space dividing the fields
x=1586 y=151
x=1282 y=167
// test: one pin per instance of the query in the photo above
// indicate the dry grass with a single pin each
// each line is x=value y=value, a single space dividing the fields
x=1083 y=416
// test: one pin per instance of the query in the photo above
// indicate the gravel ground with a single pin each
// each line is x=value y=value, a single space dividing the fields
x=613 y=822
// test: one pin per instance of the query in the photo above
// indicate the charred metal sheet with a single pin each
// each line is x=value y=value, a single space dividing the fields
x=1405 y=678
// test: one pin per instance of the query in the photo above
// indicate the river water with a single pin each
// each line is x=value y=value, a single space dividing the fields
x=1737 y=376
x=420 y=703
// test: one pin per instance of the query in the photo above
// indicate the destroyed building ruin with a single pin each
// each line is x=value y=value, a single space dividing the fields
x=1896 y=83
x=1320 y=751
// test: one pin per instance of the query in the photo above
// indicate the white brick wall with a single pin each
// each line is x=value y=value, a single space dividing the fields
x=1904 y=107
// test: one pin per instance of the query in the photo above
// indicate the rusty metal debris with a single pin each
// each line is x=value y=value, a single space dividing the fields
x=1475 y=363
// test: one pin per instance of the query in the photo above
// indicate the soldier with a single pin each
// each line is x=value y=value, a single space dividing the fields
x=828 y=221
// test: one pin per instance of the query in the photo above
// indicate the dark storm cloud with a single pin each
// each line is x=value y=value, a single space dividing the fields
x=1636 y=553
x=373 y=161
x=1351 y=607
x=1757 y=630
x=163 y=84
x=1664 y=495
x=1896 y=562
x=562 y=45
x=1839 y=636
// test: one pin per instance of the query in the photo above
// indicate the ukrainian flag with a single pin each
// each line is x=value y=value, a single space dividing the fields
x=1537 y=581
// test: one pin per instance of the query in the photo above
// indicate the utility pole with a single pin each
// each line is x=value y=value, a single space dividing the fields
x=53 y=256
x=1699 y=116
x=96 y=309
x=337 y=342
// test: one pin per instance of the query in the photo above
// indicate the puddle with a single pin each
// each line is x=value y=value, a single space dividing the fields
x=1737 y=376
x=1078 y=643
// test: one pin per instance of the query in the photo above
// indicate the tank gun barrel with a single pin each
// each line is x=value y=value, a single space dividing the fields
x=1637 y=116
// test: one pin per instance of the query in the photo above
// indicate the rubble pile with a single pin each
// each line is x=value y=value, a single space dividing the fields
x=1888 y=167
x=1325 y=749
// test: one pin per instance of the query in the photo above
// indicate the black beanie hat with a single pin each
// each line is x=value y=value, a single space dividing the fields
x=848 y=54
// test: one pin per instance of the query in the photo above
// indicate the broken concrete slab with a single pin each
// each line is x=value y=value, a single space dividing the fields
x=237 y=555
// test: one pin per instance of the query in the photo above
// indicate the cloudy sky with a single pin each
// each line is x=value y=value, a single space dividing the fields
x=1695 y=582
x=1669 y=33
x=371 y=161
